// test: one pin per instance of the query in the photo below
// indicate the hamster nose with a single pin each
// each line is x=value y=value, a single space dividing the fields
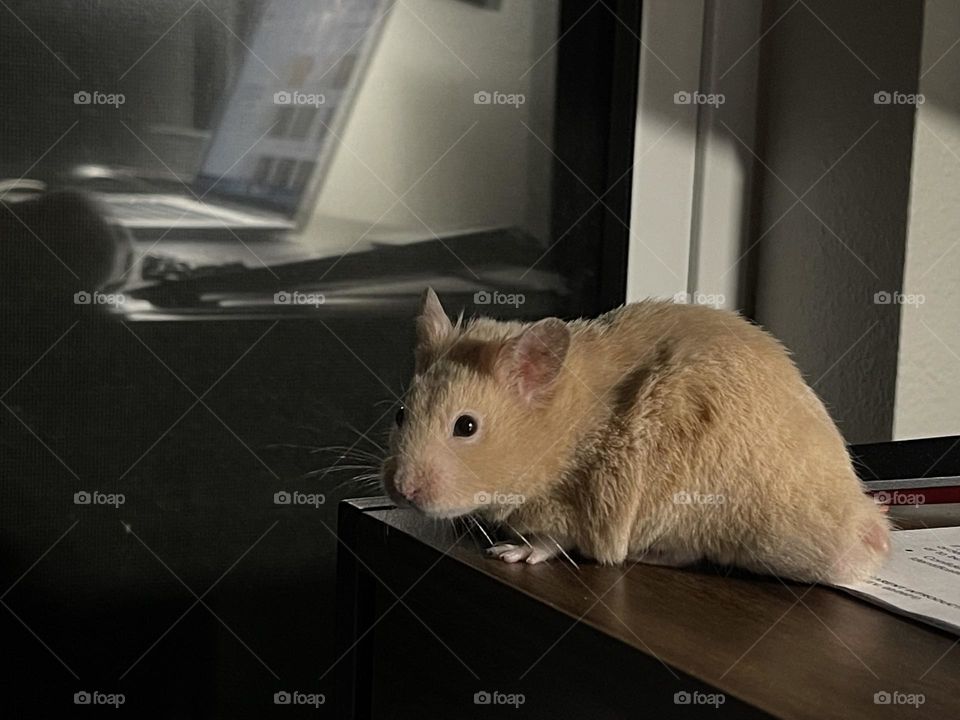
x=406 y=485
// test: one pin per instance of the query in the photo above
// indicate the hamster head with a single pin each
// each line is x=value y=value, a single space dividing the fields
x=477 y=417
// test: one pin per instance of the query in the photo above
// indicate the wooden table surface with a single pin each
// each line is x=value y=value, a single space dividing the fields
x=787 y=649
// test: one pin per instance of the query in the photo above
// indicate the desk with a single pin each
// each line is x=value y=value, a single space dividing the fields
x=611 y=642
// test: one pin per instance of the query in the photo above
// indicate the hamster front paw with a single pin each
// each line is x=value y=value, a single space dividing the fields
x=535 y=552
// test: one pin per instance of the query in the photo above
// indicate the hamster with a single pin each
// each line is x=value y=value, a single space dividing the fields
x=658 y=432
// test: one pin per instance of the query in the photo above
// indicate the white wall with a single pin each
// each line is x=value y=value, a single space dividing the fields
x=416 y=100
x=692 y=176
x=665 y=152
x=928 y=377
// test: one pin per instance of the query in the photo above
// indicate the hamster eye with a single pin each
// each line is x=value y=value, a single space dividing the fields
x=399 y=416
x=465 y=426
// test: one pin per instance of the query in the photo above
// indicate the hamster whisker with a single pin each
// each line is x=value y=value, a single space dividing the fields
x=364 y=476
x=351 y=455
x=346 y=450
x=562 y=551
x=309 y=429
x=338 y=468
x=320 y=473
x=353 y=464
x=273 y=446
x=363 y=436
x=367 y=485
x=517 y=533
x=350 y=463
x=360 y=481
x=480 y=528
x=460 y=525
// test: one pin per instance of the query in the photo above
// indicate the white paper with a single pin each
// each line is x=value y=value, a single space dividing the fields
x=921 y=579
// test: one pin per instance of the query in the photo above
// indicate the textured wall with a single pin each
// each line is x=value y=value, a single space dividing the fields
x=819 y=264
x=929 y=370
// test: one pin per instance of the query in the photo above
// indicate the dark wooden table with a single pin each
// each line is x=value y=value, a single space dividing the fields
x=425 y=621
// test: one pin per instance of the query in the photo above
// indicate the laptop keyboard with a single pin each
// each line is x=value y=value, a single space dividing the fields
x=158 y=211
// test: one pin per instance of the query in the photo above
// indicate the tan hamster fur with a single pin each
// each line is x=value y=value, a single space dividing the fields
x=662 y=432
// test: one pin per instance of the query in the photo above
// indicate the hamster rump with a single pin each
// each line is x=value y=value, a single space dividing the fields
x=811 y=519
x=743 y=464
x=816 y=552
x=660 y=432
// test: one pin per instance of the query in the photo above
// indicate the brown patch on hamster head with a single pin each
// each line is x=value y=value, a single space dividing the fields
x=463 y=440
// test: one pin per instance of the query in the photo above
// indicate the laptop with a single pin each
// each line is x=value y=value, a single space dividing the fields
x=275 y=136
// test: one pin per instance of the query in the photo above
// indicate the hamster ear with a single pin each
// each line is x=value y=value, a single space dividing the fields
x=433 y=327
x=532 y=361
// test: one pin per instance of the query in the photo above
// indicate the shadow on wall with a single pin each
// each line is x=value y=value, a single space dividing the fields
x=824 y=233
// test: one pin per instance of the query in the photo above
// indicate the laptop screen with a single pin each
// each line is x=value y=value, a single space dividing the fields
x=283 y=114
